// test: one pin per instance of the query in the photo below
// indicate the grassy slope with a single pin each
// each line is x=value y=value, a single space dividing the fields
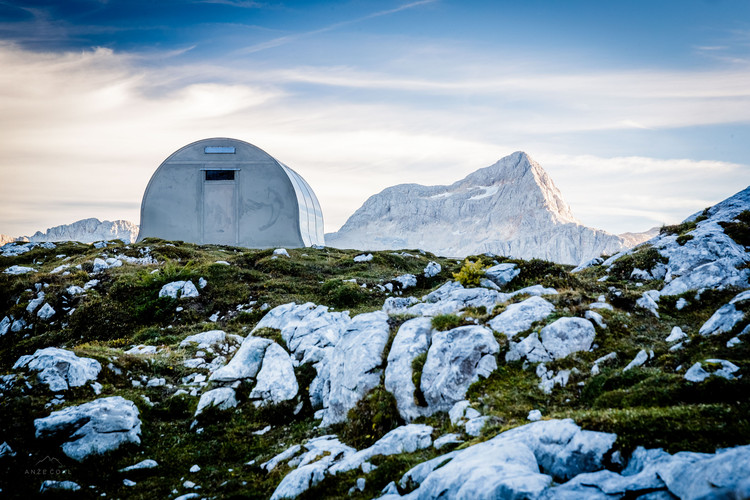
x=651 y=406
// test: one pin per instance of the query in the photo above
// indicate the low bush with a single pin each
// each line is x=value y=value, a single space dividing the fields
x=372 y=417
x=470 y=273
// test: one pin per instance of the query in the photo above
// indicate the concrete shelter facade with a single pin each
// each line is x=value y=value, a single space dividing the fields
x=229 y=192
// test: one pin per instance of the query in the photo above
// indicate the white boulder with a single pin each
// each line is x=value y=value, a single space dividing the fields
x=354 y=366
x=222 y=397
x=59 y=369
x=432 y=269
x=502 y=274
x=92 y=428
x=179 y=289
x=15 y=270
x=711 y=367
x=45 y=312
x=246 y=361
x=456 y=359
x=675 y=335
x=725 y=319
x=519 y=317
x=566 y=336
x=412 y=339
x=275 y=381
x=639 y=359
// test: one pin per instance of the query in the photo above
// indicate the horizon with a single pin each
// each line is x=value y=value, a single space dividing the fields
x=638 y=112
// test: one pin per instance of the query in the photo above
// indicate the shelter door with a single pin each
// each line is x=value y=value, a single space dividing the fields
x=220 y=212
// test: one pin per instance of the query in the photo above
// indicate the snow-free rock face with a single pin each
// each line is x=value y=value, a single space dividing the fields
x=555 y=341
x=725 y=319
x=519 y=317
x=89 y=231
x=510 y=208
x=59 y=369
x=456 y=359
x=353 y=367
x=520 y=463
x=709 y=258
x=412 y=339
x=92 y=428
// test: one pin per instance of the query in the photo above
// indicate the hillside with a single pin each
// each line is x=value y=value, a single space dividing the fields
x=511 y=208
x=224 y=372
x=85 y=231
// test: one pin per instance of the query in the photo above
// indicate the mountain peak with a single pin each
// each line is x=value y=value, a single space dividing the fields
x=510 y=208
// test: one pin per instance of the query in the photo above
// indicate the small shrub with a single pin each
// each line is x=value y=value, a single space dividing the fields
x=372 y=418
x=470 y=273
x=343 y=294
x=684 y=238
x=739 y=229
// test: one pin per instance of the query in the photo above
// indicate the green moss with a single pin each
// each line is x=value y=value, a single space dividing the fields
x=703 y=427
x=371 y=418
x=447 y=322
x=644 y=257
x=417 y=366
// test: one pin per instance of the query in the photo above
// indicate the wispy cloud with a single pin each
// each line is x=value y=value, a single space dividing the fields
x=283 y=40
x=100 y=122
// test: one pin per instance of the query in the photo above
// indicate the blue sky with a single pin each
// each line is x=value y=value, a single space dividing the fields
x=640 y=111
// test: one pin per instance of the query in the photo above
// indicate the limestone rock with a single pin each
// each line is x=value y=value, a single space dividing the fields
x=456 y=359
x=245 y=363
x=60 y=369
x=209 y=339
x=353 y=366
x=502 y=274
x=412 y=339
x=519 y=317
x=405 y=439
x=432 y=269
x=275 y=381
x=307 y=329
x=222 y=398
x=46 y=312
x=92 y=428
x=179 y=289
x=639 y=359
x=566 y=336
x=725 y=319
x=721 y=368
x=447 y=439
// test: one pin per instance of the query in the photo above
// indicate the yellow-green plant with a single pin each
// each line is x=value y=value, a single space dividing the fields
x=470 y=273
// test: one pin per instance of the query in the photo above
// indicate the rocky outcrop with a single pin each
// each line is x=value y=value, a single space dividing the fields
x=456 y=359
x=519 y=317
x=510 y=208
x=352 y=368
x=556 y=340
x=520 y=463
x=412 y=339
x=92 y=428
x=704 y=256
x=59 y=369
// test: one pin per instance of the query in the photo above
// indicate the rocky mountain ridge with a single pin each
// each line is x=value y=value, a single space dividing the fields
x=85 y=230
x=511 y=208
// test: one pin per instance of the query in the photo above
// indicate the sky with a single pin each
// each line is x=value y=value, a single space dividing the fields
x=638 y=110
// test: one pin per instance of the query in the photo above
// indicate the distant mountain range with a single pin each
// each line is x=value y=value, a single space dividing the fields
x=510 y=208
x=85 y=231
